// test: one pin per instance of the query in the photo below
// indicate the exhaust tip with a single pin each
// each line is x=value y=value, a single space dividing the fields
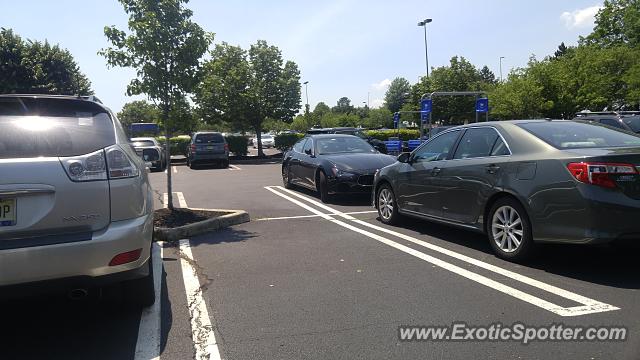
x=78 y=294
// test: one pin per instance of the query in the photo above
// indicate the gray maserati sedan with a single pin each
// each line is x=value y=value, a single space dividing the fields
x=76 y=206
x=521 y=182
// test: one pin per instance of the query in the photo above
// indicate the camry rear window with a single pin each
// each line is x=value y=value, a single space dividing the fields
x=209 y=138
x=580 y=134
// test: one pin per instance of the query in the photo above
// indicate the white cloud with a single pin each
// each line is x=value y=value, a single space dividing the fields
x=382 y=85
x=376 y=103
x=580 y=18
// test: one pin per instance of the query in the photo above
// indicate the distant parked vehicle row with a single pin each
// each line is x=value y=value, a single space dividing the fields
x=150 y=150
x=521 y=182
x=267 y=140
x=625 y=120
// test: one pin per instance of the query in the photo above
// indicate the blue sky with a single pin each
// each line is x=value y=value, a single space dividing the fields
x=347 y=48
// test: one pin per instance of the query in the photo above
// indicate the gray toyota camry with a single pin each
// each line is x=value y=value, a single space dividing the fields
x=521 y=182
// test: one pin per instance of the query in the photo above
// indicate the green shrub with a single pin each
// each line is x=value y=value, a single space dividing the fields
x=238 y=145
x=285 y=141
x=403 y=134
x=177 y=145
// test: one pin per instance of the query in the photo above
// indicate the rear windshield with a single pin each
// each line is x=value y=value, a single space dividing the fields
x=209 y=138
x=580 y=134
x=143 y=143
x=633 y=122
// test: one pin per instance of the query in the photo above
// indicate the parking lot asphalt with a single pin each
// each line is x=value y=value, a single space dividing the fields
x=304 y=280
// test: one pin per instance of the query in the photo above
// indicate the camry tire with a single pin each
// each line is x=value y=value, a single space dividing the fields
x=509 y=230
x=387 y=205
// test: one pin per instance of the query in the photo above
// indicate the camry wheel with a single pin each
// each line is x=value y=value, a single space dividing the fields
x=509 y=230
x=387 y=208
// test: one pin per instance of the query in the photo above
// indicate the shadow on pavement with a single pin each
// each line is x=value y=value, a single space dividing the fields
x=226 y=235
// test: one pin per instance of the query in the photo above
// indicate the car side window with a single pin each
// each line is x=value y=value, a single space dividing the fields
x=299 y=145
x=500 y=148
x=476 y=142
x=612 y=122
x=436 y=149
x=307 y=146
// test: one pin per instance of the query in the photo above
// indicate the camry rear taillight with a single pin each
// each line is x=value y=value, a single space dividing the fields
x=193 y=147
x=116 y=164
x=601 y=174
x=226 y=147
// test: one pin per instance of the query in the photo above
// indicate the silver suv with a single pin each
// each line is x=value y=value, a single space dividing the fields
x=76 y=206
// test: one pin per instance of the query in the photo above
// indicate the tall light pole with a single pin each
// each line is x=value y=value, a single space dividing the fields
x=424 y=23
x=306 y=92
x=501 y=57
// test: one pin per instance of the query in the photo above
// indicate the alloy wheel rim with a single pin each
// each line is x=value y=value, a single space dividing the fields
x=385 y=204
x=507 y=229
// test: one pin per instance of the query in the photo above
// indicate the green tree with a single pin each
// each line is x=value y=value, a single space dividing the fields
x=487 y=77
x=520 y=97
x=247 y=87
x=396 y=94
x=139 y=111
x=34 y=67
x=343 y=106
x=165 y=47
x=617 y=23
x=321 y=109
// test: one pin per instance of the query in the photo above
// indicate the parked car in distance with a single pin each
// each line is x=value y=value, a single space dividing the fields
x=332 y=164
x=521 y=182
x=208 y=147
x=76 y=206
x=377 y=144
x=267 y=140
x=150 y=150
x=626 y=120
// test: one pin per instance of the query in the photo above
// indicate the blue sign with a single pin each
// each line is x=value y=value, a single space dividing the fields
x=396 y=119
x=425 y=105
x=482 y=105
x=424 y=116
x=144 y=127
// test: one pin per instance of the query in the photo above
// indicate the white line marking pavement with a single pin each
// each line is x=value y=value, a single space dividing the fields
x=590 y=305
x=175 y=169
x=165 y=200
x=201 y=329
x=148 y=343
x=233 y=167
x=181 y=200
x=312 y=216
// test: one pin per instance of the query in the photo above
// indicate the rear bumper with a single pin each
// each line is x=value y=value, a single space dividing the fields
x=208 y=157
x=85 y=260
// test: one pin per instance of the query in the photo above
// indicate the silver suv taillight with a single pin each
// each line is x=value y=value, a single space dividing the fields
x=94 y=166
x=119 y=164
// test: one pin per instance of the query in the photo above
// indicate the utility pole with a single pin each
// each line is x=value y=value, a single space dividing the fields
x=424 y=23
x=501 y=57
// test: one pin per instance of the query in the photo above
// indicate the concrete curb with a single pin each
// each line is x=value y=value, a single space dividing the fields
x=233 y=217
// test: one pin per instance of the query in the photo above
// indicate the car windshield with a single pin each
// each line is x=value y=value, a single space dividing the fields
x=209 y=138
x=137 y=143
x=633 y=122
x=580 y=134
x=343 y=144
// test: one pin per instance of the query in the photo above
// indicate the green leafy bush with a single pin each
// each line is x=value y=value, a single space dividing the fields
x=178 y=145
x=403 y=134
x=238 y=145
x=285 y=141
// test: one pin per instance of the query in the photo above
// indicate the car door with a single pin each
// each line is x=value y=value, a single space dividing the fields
x=307 y=165
x=293 y=161
x=470 y=176
x=418 y=183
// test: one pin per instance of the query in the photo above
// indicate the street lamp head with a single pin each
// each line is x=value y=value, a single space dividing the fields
x=424 y=22
x=306 y=82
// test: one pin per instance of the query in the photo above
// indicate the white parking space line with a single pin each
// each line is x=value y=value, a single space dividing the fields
x=312 y=216
x=201 y=329
x=181 y=200
x=589 y=305
x=233 y=167
x=175 y=169
x=148 y=343
x=165 y=200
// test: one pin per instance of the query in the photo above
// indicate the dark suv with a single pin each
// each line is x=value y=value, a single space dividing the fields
x=208 y=147
x=626 y=120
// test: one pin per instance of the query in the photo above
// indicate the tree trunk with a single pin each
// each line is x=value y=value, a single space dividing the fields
x=167 y=134
x=258 y=129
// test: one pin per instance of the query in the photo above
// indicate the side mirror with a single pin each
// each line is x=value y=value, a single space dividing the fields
x=404 y=157
x=308 y=152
